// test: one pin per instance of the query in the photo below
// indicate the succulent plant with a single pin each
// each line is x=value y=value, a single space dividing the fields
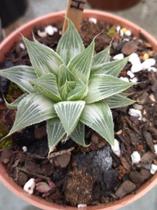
x=69 y=88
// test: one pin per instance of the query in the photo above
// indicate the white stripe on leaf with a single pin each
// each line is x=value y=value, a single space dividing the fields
x=69 y=113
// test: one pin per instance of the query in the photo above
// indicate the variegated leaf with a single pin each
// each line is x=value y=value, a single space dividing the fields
x=118 y=101
x=55 y=132
x=44 y=60
x=112 y=68
x=79 y=92
x=98 y=116
x=70 y=43
x=66 y=88
x=21 y=76
x=15 y=103
x=104 y=86
x=32 y=109
x=78 y=135
x=69 y=113
x=101 y=57
x=80 y=66
x=47 y=86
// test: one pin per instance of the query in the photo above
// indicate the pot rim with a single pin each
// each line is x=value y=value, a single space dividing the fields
x=6 y=45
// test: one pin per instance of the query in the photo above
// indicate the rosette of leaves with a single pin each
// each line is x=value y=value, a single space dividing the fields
x=69 y=88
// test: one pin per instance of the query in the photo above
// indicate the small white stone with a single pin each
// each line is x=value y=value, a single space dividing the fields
x=155 y=148
x=136 y=67
x=81 y=206
x=24 y=148
x=118 y=28
x=136 y=63
x=118 y=56
x=126 y=39
x=148 y=63
x=138 y=106
x=119 y=132
x=121 y=33
x=116 y=148
x=134 y=80
x=22 y=46
x=152 y=69
x=135 y=157
x=135 y=113
x=134 y=58
x=29 y=186
x=153 y=169
x=128 y=33
x=124 y=79
x=50 y=30
x=152 y=97
x=93 y=20
x=41 y=34
x=131 y=74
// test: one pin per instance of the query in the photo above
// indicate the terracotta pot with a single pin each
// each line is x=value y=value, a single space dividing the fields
x=7 y=44
x=112 y=4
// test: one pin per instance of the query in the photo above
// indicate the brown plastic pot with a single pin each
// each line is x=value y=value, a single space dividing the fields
x=5 y=47
x=112 y=4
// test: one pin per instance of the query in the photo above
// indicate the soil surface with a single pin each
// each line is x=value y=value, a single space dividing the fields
x=74 y=175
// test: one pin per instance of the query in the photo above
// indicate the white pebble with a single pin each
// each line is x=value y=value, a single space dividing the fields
x=80 y=206
x=128 y=33
x=134 y=80
x=42 y=34
x=152 y=97
x=136 y=63
x=118 y=56
x=116 y=148
x=135 y=157
x=135 y=113
x=22 y=46
x=126 y=39
x=138 y=106
x=93 y=20
x=24 y=148
x=121 y=33
x=153 y=169
x=130 y=74
x=50 y=30
x=152 y=69
x=118 y=28
x=136 y=67
x=29 y=186
x=148 y=63
x=134 y=58
x=124 y=79
x=155 y=148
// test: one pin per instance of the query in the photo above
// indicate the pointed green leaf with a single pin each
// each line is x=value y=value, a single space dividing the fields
x=62 y=75
x=99 y=117
x=15 y=103
x=47 y=86
x=69 y=113
x=102 y=57
x=112 y=68
x=70 y=43
x=81 y=65
x=55 y=132
x=44 y=60
x=78 y=135
x=79 y=92
x=64 y=90
x=104 y=86
x=32 y=109
x=118 y=101
x=21 y=76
